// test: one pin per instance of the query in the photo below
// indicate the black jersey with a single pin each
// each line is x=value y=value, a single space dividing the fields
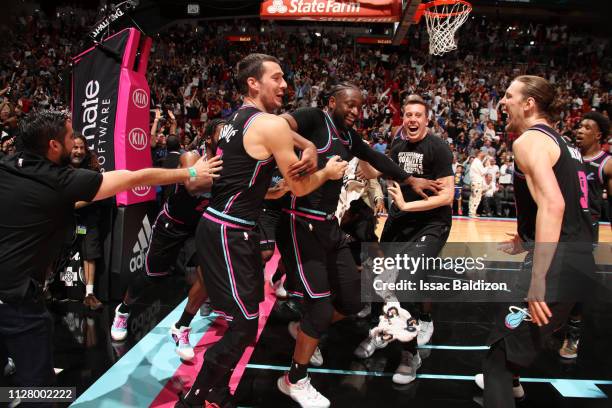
x=237 y=195
x=572 y=180
x=181 y=206
x=318 y=127
x=185 y=208
x=429 y=158
x=594 y=169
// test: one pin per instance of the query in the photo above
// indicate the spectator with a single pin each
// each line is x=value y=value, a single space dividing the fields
x=492 y=197
x=477 y=172
x=380 y=145
x=88 y=221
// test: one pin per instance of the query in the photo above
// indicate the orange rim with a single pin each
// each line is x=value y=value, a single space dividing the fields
x=424 y=8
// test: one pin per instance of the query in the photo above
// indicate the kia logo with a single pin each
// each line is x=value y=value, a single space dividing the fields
x=141 y=191
x=138 y=139
x=140 y=98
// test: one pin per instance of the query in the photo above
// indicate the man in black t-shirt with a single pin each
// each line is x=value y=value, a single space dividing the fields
x=43 y=191
x=413 y=219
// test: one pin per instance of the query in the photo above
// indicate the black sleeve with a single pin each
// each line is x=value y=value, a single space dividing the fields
x=79 y=184
x=308 y=119
x=378 y=160
x=442 y=160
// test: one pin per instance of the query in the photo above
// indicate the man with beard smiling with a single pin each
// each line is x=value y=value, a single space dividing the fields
x=318 y=252
x=40 y=192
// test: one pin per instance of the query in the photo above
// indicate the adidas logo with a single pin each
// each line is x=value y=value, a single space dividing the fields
x=141 y=245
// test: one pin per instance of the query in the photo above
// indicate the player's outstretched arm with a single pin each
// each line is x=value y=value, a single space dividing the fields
x=116 y=181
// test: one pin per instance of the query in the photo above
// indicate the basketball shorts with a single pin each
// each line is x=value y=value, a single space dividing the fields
x=316 y=253
x=268 y=222
x=167 y=239
x=231 y=260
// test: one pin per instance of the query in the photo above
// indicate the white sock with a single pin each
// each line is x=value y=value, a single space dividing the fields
x=89 y=290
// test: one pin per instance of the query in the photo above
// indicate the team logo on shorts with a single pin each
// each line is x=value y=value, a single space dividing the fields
x=516 y=316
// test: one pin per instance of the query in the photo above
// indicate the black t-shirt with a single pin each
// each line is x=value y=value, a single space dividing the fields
x=431 y=159
x=37 y=206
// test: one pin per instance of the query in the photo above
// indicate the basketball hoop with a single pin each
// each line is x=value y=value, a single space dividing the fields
x=443 y=18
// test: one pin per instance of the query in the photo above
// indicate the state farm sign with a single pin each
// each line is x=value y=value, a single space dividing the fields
x=374 y=11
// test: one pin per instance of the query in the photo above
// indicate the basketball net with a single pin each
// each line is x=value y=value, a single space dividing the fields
x=443 y=18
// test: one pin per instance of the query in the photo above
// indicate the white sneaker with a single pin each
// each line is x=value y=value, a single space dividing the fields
x=365 y=312
x=518 y=392
x=317 y=357
x=302 y=392
x=426 y=330
x=119 y=327
x=369 y=345
x=406 y=371
x=181 y=340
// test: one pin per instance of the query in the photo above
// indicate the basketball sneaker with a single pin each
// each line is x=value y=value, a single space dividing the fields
x=406 y=371
x=517 y=391
x=317 y=357
x=302 y=392
x=369 y=345
x=119 y=327
x=181 y=341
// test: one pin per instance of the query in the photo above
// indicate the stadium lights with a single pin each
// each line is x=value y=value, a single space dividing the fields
x=532 y=43
x=318 y=34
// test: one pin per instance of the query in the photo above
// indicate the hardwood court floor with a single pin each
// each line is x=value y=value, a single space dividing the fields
x=483 y=229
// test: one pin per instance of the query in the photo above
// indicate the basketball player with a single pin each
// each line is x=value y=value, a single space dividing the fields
x=321 y=256
x=173 y=227
x=551 y=201
x=416 y=220
x=227 y=243
x=594 y=129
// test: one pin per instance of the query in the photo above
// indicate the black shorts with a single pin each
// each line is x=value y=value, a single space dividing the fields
x=91 y=249
x=167 y=240
x=430 y=237
x=316 y=253
x=268 y=222
x=568 y=280
x=231 y=260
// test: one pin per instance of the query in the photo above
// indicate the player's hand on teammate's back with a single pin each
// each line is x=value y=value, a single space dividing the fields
x=306 y=165
x=335 y=168
x=421 y=185
x=209 y=168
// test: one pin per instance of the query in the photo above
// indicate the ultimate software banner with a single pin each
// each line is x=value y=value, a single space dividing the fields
x=110 y=105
